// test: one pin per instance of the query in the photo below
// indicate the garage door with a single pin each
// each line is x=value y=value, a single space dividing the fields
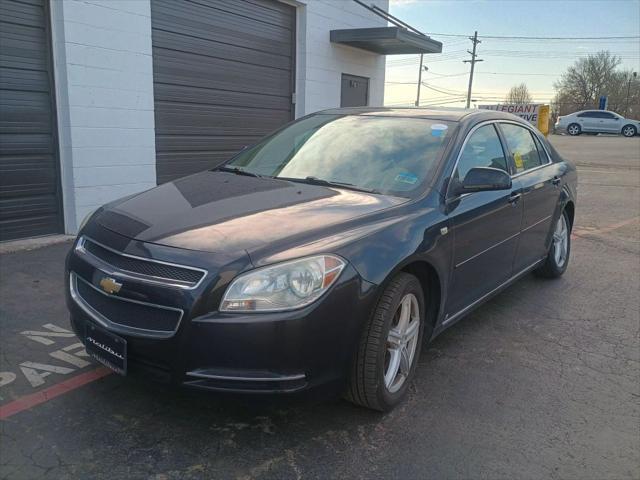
x=29 y=185
x=223 y=78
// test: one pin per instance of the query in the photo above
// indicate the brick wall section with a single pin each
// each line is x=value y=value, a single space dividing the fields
x=104 y=83
x=321 y=63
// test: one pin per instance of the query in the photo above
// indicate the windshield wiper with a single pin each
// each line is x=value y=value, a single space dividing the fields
x=237 y=171
x=329 y=183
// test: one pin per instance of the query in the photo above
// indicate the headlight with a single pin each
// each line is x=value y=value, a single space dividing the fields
x=284 y=286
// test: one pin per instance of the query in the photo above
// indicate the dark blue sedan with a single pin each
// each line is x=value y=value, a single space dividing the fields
x=324 y=256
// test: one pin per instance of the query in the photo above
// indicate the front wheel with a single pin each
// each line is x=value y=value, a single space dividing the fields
x=629 y=131
x=390 y=346
x=558 y=257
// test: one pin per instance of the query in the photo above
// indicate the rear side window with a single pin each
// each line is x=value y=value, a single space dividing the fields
x=483 y=149
x=522 y=147
x=544 y=158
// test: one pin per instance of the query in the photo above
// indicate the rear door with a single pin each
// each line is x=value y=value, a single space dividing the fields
x=588 y=121
x=540 y=181
x=486 y=225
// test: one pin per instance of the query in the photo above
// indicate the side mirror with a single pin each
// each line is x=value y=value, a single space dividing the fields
x=484 y=179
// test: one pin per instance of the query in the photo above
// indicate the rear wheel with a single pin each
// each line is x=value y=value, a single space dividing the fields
x=629 y=131
x=558 y=257
x=390 y=346
x=574 y=129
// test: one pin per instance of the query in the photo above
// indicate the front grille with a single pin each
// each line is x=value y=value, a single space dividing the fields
x=124 y=312
x=162 y=272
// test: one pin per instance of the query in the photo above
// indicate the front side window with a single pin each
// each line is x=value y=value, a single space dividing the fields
x=483 y=149
x=588 y=114
x=524 y=150
x=390 y=155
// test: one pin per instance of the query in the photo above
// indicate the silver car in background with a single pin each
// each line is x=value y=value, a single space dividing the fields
x=596 y=121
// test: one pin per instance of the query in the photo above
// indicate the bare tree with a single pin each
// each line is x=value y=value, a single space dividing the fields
x=518 y=95
x=582 y=85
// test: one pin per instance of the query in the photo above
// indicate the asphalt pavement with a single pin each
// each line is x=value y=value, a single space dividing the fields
x=543 y=381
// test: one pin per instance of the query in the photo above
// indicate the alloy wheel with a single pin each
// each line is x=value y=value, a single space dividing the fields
x=560 y=241
x=402 y=343
x=573 y=130
x=628 y=132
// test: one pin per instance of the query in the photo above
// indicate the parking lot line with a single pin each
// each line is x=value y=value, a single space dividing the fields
x=28 y=401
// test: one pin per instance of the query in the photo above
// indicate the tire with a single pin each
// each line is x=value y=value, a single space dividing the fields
x=556 y=262
x=574 y=129
x=368 y=386
x=629 y=131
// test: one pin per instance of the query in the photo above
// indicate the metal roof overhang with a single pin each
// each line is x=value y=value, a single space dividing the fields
x=386 y=40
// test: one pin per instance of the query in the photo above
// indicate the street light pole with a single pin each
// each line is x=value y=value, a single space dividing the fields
x=419 y=80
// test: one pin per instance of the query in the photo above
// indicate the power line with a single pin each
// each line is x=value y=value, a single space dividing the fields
x=503 y=37
x=443 y=91
x=520 y=73
x=516 y=37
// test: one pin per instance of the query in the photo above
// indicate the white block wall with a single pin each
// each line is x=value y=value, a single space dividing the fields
x=320 y=63
x=104 y=88
x=104 y=84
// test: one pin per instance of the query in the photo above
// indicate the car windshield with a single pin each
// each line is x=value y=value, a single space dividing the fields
x=388 y=155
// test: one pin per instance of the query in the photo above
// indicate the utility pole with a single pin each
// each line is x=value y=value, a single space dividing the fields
x=473 y=62
x=626 y=110
x=419 y=80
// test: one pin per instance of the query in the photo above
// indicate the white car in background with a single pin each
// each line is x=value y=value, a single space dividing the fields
x=597 y=121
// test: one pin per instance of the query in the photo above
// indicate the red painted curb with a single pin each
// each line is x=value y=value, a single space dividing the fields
x=28 y=401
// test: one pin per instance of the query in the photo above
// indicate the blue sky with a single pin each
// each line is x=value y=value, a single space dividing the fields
x=507 y=62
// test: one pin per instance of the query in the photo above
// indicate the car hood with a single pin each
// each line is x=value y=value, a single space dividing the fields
x=224 y=212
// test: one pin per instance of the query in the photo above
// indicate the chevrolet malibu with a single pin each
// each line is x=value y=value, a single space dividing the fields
x=324 y=256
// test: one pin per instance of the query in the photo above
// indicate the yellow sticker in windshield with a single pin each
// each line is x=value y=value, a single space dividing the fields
x=517 y=157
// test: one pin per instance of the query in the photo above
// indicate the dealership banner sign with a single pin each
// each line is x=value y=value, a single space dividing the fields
x=537 y=114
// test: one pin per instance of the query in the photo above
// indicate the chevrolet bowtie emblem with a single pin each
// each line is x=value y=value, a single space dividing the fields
x=110 y=285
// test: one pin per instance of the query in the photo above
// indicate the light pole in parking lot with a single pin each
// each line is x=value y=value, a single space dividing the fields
x=420 y=70
x=632 y=76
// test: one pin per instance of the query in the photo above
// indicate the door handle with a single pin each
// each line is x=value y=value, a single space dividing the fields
x=514 y=197
x=556 y=181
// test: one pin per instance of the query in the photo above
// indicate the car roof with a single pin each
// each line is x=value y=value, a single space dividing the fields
x=440 y=113
x=596 y=110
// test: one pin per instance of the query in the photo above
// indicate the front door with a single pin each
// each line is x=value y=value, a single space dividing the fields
x=486 y=225
x=540 y=181
x=354 y=91
x=609 y=123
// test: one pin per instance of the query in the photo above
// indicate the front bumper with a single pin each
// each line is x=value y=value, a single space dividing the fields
x=261 y=352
